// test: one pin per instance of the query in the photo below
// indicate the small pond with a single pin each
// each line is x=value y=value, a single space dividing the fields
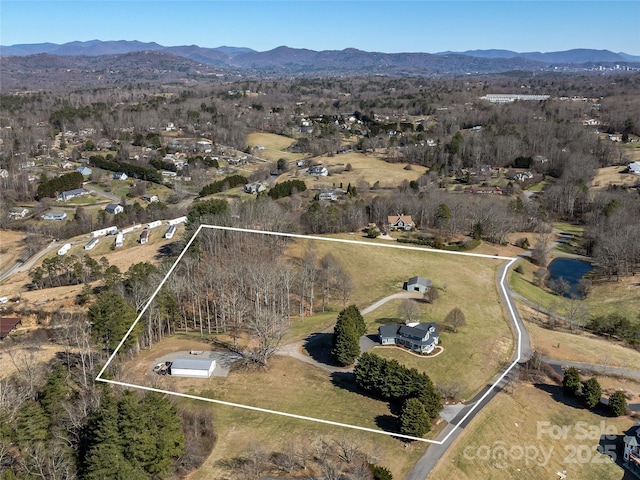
x=571 y=270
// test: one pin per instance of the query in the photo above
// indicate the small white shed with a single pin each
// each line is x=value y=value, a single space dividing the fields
x=192 y=367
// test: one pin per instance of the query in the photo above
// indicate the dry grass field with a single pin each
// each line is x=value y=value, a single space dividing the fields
x=365 y=168
x=10 y=247
x=517 y=436
x=275 y=146
x=579 y=346
x=610 y=176
x=283 y=387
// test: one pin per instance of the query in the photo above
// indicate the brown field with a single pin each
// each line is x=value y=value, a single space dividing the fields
x=10 y=247
x=366 y=168
x=609 y=176
x=283 y=387
x=580 y=346
x=523 y=422
x=19 y=357
x=274 y=146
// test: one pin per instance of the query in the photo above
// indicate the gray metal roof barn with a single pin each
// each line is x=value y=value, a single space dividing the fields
x=192 y=367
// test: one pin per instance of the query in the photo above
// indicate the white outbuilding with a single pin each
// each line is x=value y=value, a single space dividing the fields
x=192 y=367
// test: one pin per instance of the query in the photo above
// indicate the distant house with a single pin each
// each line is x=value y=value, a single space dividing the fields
x=417 y=284
x=634 y=168
x=18 y=212
x=631 y=453
x=328 y=195
x=8 y=325
x=400 y=222
x=85 y=171
x=119 y=176
x=319 y=171
x=114 y=208
x=522 y=177
x=483 y=171
x=69 y=194
x=55 y=216
x=150 y=198
x=27 y=164
x=254 y=188
x=419 y=337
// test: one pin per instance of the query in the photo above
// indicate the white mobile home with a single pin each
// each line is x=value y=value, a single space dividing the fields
x=176 y=221
x=64 y=249
x=169 y=233
x=119 y=239
x=91 y=244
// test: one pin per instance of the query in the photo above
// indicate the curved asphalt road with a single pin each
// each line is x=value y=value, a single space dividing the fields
x=523 y=352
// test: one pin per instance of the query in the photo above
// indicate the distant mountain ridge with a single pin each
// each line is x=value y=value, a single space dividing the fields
x=225 y=53
x=576 y=55
x=97 y=63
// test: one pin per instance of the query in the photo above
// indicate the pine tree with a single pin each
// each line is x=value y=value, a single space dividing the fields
x=350 y=326
x=346 y=345
x=414 y=420
x=111 y=316
x=571 y=381
x=32 y=423
x=104 y=457
x=591 y=392
x=166 y=427
x=618 y=404
x=55 y=390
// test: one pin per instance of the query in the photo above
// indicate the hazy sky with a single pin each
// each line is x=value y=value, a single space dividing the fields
x=384 y=26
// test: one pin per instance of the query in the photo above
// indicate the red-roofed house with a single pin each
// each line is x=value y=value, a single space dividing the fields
x=8 y=325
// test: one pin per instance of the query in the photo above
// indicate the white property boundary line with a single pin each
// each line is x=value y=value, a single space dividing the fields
x=302 y=417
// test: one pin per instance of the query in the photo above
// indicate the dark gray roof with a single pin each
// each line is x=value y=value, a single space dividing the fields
x=419 y=281
x=388 y=330
x=75 y=191
x=111 y=208
x=412 y=333
x=193 y=363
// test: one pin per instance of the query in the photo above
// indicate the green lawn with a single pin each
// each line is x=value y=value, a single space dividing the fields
x=472 y=356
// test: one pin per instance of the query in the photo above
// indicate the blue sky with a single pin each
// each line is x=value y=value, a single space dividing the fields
x=378 y=25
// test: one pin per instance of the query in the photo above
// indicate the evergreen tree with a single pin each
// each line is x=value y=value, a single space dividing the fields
x=571 y=381
x=111 y=317
x=618 y=404
x=104 y=457
x=55 y=390
x=591 y=392
x=32 y=424
x=350 y=326
x=166 y=427
x=430 y=398
x=414 y=420
x=346 y=343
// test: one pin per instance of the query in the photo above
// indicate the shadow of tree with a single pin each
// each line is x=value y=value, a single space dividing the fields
x=559 y=395
x=388 y=423
x=387 y=321
x=318 y=346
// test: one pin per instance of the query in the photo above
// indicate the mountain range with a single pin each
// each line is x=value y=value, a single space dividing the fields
x=116 y=61
x=225 y=54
